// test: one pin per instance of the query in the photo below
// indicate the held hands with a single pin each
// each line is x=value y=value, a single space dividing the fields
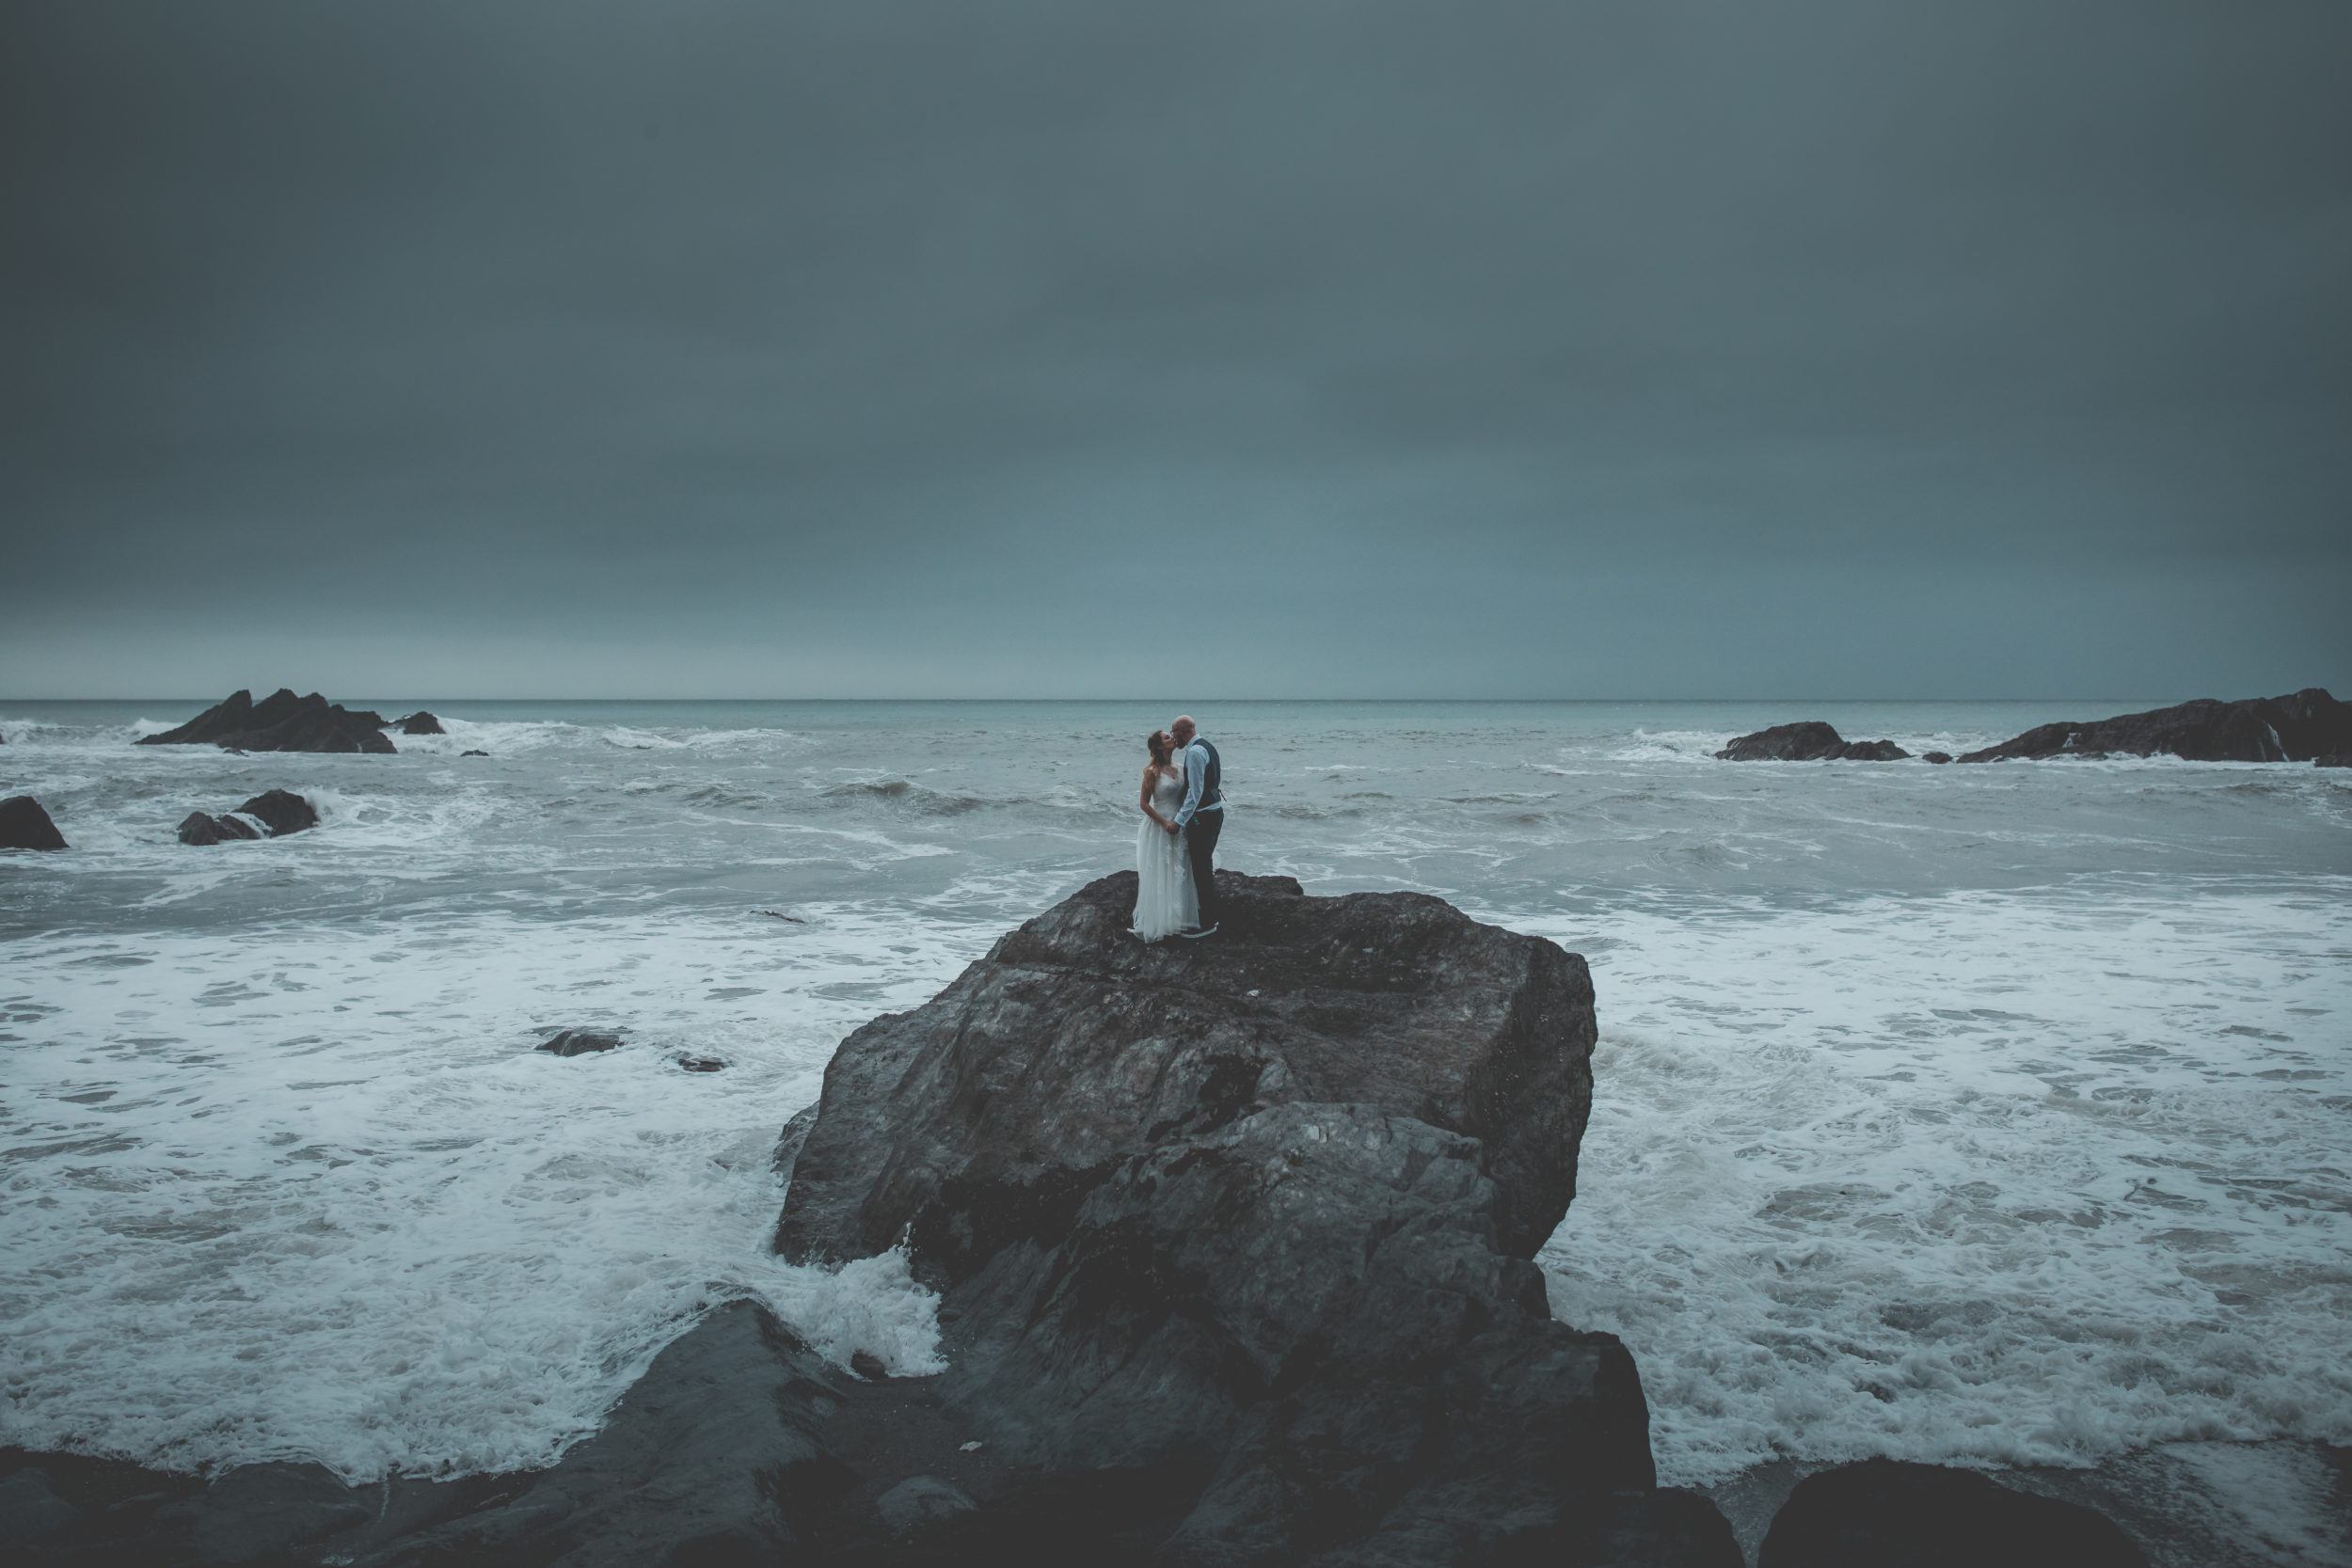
x=1172 y=829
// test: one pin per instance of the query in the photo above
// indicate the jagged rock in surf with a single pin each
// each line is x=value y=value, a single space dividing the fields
x=1882 y=1512
x=577 y=1042
x=281 y=722
x=474 y=753
x=1250 y=1217
x=2340 y=760
x=1809 y=742
x=202 y=828
x=283 y=812
x=419 y=723
x=1935 y=756
x=23 y=825
x=2298 y=727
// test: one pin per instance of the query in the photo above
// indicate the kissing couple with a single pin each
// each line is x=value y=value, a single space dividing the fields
x=1183 y=811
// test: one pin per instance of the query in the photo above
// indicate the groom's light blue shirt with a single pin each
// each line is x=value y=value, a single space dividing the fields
x=1196 y=774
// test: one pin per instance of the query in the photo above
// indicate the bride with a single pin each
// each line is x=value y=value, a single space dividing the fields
x=1166 y=900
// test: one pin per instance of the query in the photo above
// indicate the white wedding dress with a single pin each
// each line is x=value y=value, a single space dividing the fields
x=1166 y=900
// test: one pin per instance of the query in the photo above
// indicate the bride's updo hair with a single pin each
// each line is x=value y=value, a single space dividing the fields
x=1161 y=746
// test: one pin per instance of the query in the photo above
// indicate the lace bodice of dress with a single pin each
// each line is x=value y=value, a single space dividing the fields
x=1168 y=793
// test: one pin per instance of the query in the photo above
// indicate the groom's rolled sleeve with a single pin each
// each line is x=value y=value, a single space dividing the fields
x=1193 y=779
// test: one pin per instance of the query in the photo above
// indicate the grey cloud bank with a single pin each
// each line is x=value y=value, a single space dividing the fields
x=1681 y=350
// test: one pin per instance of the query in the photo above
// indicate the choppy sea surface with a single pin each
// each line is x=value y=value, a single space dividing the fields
x=1979 y=1113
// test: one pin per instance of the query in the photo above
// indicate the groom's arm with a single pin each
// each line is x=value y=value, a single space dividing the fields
x=1195 y=775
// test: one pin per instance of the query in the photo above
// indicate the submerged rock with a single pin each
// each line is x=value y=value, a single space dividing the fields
x=201 y=827
x=579 y=1042
x=419 y=723
x=1809 y=742
x=283 y=812
x=1936 y=756
x=281 y=722
x=23 y=825
x=1882 y=1512
x=474 y=753
x=2297 y=727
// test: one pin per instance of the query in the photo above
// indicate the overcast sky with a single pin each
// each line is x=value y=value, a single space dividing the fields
x=1644 y=349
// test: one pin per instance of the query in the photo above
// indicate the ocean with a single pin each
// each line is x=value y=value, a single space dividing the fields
x=1978 y=1114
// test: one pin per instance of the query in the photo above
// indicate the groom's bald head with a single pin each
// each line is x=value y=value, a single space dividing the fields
x=1183 y=729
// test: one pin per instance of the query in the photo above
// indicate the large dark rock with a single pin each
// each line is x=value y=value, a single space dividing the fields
x=25 y=826
x=283 y=812
x=419 y=723
x=2295 y=728
x=1809 y=742
x=990 y=1112
x=281 y=722
x=203 y=827
x=1883 y=1514
x=1251 y=1217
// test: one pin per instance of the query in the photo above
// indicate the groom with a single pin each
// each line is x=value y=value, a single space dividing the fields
x=1201 y=818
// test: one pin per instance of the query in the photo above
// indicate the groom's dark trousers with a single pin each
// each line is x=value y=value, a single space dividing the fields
x=1200 y=843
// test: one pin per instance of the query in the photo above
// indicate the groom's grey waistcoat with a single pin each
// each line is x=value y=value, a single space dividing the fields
x=1212 y=796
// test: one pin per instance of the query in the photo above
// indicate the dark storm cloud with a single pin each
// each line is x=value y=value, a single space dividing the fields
x=1579 y=350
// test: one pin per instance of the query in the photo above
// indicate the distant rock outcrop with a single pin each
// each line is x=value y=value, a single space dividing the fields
x=202 y=828
x=1809 y=742
x=23 y=825
x=2298 y=727
x=419 y=723
x=1882 y=1512
x=281 y=722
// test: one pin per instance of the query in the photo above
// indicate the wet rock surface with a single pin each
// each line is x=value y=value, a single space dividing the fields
x=419 y=723
x=2298 y=727
x=1809 y=742
x=1245 y=1221
x=1882 y=1513
x=281 y=810
x=984 y=1116
x=23 y=825
x=280 y=722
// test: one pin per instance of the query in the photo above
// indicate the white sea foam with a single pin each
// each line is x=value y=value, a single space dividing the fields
x=313 y=1193
x=2028 y=1180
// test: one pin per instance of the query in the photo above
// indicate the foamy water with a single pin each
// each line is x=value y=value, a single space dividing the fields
x=1990 y=1113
